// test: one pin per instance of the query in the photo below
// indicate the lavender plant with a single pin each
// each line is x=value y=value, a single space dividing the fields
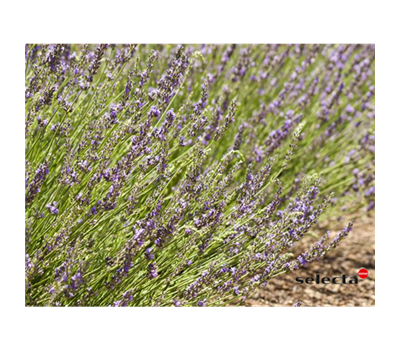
x=161 y=175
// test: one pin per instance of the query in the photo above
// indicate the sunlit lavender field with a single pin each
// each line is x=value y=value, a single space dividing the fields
x=186 y=175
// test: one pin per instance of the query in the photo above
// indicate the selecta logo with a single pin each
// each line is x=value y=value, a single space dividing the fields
x=363 y=273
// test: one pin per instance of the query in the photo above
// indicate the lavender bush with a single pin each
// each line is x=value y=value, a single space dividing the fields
x=161 y=175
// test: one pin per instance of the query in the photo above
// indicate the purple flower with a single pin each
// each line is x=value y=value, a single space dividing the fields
x=152 y=271
x=52 y=208
x=302 y=261
x=170 y=116
x=154 y=112
x=350 y=109
x=148 y=254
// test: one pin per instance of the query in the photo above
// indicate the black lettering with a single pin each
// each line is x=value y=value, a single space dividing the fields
x=299 y=280
x=344 y=279
x=309 y=280
x=325 y=279
x=334 y=279
x=353 y=280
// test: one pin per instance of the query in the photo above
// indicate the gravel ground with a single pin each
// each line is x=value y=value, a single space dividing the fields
x=356 y=251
